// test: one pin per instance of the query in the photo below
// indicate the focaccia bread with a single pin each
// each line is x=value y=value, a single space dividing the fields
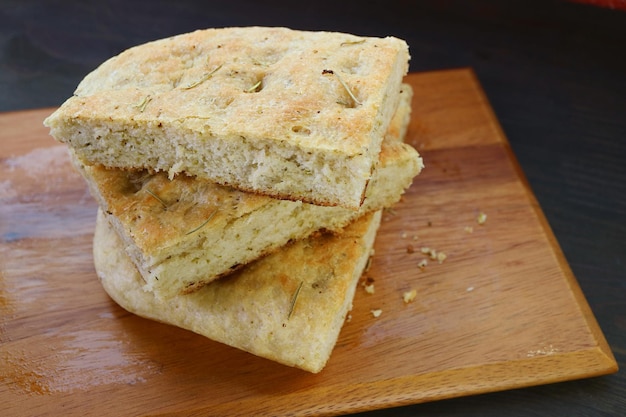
x=291 y=114
x=288 y=307
x=402 y=117
x=184 y=233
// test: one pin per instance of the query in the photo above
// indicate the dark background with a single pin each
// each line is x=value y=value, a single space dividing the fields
x=554 y=72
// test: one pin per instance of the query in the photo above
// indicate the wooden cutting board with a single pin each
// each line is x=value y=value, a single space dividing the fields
x=502 y=311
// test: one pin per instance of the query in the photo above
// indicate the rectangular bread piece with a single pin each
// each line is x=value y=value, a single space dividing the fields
x=291 y=114
x=184 y=233
x=288 y=307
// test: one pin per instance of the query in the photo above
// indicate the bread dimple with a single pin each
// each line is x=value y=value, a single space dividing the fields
x=257 y=309
x=262 y=109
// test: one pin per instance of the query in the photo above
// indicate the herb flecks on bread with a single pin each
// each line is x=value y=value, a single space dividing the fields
x=290 y=114
x=186 y=232
x=288 y=307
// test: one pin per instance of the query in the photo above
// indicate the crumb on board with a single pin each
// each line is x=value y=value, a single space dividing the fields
x=545 y=351
x=377 y=312
x=434 y=254
x=423 y=263
x=441 y=256
x=410 y=249
x=469 y=229
x=469 y=289
x=482 y=218
x=368 y=285
x=409 y=296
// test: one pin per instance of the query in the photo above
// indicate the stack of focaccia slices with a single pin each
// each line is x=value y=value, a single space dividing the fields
x=240 y=175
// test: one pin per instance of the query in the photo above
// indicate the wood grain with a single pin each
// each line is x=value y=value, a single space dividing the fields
x=502 y=311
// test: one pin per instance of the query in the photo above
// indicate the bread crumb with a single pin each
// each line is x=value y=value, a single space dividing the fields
x=469 y=229
x=410 y=249
x=404 y=235
x=423 y=263
x=349 y=318
x=441 y=257
x=409 y=296
x=376 y=313
x=545 y=351
x=430 y=252
x=368 y=285
x=469 y=289
x=482 y=218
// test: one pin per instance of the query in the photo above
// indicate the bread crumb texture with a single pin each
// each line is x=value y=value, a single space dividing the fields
x=409 y=296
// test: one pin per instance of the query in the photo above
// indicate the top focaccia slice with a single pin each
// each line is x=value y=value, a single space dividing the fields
x=290 y=114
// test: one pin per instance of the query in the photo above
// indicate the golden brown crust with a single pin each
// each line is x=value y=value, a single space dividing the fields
x=288 y=307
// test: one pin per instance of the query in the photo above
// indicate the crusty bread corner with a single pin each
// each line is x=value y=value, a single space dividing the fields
x=402 y=117
x=186 y=232
x=290 y=114
x=288 y=307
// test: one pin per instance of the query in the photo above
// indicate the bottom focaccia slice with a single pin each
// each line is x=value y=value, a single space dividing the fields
x=288 y=307
x=184 y=233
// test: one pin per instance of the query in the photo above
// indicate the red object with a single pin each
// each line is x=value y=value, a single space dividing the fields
x=610 y=4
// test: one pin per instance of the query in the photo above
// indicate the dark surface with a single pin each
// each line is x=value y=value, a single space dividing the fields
x=554 y=72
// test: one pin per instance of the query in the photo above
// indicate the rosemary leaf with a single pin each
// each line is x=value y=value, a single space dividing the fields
x=350 y=93
x=352 y=42
x=143 y=103
x=203 y=224
x=156 y=197
x=202 y=79
x=294 y=298
x=254 y=88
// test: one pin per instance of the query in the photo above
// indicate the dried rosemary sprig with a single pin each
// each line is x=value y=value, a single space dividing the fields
x=294 y=298
x=203 y=224
x=342 y=82
x=254 y=88
x=202 y=79
x=143 y=103
x=156 y=197
x=352 y=42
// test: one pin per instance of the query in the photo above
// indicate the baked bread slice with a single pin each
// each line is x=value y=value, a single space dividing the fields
x=291 y=114
x=288 y=307
x=184 y=233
